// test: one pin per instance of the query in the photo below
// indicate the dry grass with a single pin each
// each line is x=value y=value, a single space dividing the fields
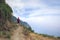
x=18 y=32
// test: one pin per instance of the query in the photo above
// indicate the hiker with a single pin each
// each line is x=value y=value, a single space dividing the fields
x=18 y=20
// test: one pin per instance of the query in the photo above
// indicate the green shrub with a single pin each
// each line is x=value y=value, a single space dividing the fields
x=58 y=37
x=5 y=34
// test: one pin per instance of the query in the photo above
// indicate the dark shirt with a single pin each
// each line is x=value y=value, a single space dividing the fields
x=18 y=20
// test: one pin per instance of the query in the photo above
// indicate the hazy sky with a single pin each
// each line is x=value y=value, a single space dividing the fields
x=42 y=15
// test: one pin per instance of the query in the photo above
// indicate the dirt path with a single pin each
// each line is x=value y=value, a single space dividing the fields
x=18 y=34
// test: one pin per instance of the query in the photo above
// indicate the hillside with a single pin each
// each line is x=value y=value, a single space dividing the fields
x=22 y=33
x=18 y=32
x=11 y=30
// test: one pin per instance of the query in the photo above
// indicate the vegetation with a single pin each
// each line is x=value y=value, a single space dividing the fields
x=46 y=35
x=24 y=24
x=2 y=1
x=58 y=37
x=5 y=12
x=5 y=34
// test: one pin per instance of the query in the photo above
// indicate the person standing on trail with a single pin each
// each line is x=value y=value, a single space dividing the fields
x=18 y=20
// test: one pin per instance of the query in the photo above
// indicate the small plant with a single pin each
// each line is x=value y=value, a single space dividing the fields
x=58 y=37
x=2 y=33
x=5 y=34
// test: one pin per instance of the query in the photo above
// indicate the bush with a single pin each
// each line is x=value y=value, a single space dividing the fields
x=58 y=37
x=5 y=34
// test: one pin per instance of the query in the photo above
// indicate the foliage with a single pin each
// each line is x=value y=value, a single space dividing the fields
x=5 y=12
x=30 y=29
x=46 y=35
x=58 y=37
x=2 y=1
x=5 y=34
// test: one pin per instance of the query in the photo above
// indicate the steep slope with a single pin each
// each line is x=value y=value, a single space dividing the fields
x=22 y=23
x=10 y=30
x=5 y=13
x=22 y=33
x=18 y=32
x=14 y=19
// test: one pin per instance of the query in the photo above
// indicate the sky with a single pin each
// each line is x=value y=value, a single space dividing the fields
x=42 y=15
